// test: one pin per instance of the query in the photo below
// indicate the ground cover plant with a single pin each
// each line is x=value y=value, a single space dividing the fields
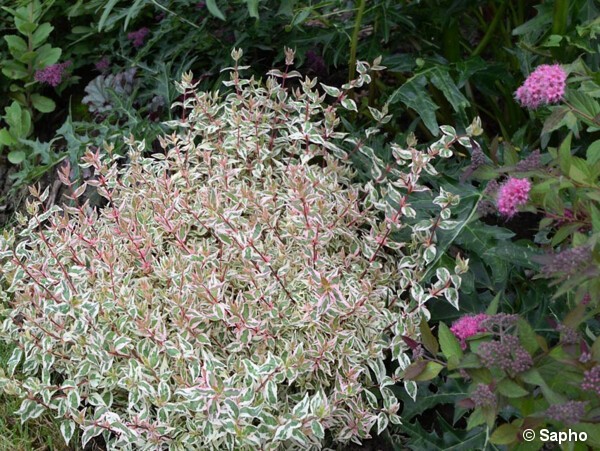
x=509 y=200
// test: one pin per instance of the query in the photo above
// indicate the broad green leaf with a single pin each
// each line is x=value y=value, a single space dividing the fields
x=414 y=95
x=13 y=118
x=6 y=139
x=214 y=9
x=42 y=104
x=16 y=156
x=504 y=435
x=511 y=389
x=432 y=369
x=593 y=152
x=441 y=79
x=47 y=55
x=448 y=342
x=41 y=34
x=527 y=336
x=16 y=45
x=14 y=70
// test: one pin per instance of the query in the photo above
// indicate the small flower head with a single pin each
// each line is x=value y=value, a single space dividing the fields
x=467 y=326
x=591 y=380
x=53 y=74
x=483 y=396
x=512 y=193
x=569 y=413
x=138 y=37
x=103 y=65
x=506 y=354
x=545 y=85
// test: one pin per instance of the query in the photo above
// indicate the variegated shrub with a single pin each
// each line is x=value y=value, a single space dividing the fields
x=239 y=291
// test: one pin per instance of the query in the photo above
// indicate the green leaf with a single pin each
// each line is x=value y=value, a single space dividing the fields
x=16 y=45
x=47 y=55
x=252 y=8
x=427 y=338
x=214 y=9
x=41 y=34
x=504 y=435
x=432 y=369
x=448 y=342
x=16 y=156
x=511 y=389
x=414 y=95
x=493 y=307
x=527 y=336
x=593 y=152
x=564 y=154
x=42 y=104
x=14 y=70
x=13 y=118
x=475 y=419
x=106 y=12
x=441 y=79
x=6 y=139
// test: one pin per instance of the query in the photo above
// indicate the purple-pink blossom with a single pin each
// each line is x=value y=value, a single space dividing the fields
x=138 y=37
x=103 y=64
x=467 y=326
x=513 y=193
x=545 y=85
x=53 y=74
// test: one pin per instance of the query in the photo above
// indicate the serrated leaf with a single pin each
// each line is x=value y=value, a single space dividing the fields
x=527 y=336
x=414 y=95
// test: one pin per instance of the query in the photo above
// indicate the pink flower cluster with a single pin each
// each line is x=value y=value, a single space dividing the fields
x=53 y=74
x=512 y=193
x=138 y=37
x=546 y=84
x=467 y=326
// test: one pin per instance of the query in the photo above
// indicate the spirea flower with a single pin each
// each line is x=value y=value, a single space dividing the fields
x=591 y=380
x=512 y=193
x=467 y=326
x=138 y=37
x=483 y=396
x=569 y=412
x=568 y=261
x=531 y=163
x=506 y=354
x=53 y=74
x=545 y=85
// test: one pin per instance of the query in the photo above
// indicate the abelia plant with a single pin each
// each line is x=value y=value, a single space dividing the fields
x=239 y=291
